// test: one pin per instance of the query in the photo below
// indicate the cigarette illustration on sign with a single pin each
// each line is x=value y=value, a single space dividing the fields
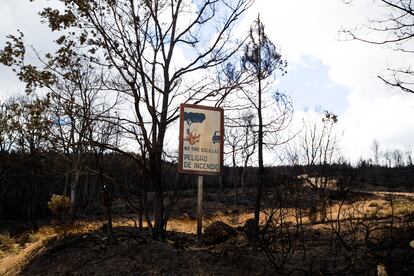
x=201 y=141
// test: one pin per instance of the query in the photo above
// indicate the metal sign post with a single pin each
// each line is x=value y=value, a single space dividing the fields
x=201 y=148
x=199 y=208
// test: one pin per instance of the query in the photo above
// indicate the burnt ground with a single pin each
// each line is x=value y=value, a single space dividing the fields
x=318 y=247
x=139 y=254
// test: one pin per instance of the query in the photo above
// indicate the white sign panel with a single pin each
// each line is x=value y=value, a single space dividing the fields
x=201 y=139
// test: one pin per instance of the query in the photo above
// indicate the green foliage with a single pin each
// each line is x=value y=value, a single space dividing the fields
x=26 y=237
x=31 y=122
x=58 y=21
x=14 y=51
x=6 y=127
x=7 y=242
x=13 y=55
x=25 y=123
x=59 y=205
x=138 y=40
x=260 y=54
x=330 y=117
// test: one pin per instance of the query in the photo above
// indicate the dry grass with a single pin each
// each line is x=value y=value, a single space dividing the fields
x=16 y=252
x=24 y=247
x=11 y=263
x=7 y=244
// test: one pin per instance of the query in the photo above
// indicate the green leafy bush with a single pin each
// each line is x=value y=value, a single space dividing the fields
x=59 y=205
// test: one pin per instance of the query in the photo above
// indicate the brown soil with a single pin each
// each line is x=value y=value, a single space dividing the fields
x=86 y=250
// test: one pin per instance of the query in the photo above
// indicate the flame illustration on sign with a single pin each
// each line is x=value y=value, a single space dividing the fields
x=192 y=137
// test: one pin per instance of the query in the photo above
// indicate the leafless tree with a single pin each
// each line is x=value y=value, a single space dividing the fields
x=375 y=149
x=318 y=140
x=397 y=156
x=241 y=141
x=140 y=43
x=78 y=111
x=233 y=140
x=262 y=59
x=249 y=144
x=388 y=158
x=409 y=158
x=396 y=30
x=318 y=146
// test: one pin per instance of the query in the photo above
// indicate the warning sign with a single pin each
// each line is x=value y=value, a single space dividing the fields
x=201 y=139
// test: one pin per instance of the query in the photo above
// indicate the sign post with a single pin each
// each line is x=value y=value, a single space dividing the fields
x=199 y=208
x=201 y=147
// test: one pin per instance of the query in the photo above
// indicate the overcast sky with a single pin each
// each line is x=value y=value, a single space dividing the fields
x=339 y=76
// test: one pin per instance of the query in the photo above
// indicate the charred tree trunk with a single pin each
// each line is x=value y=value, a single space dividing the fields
x=260 y=181
x=73 y=193
x=107 y=199
x=156 y=178
x=236 y=201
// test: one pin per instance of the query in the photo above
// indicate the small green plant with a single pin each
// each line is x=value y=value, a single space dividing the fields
x=7 y=243
x=60 y=206
x=26 y=237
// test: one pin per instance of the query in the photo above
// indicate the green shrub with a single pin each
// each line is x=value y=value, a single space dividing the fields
x=26 y=237
x=7 y=243
x=59 y=205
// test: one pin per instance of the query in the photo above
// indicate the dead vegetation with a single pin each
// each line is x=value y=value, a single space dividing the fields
x=355 y=234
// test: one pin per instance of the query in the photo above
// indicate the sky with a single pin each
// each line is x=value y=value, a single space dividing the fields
x=324 y=72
